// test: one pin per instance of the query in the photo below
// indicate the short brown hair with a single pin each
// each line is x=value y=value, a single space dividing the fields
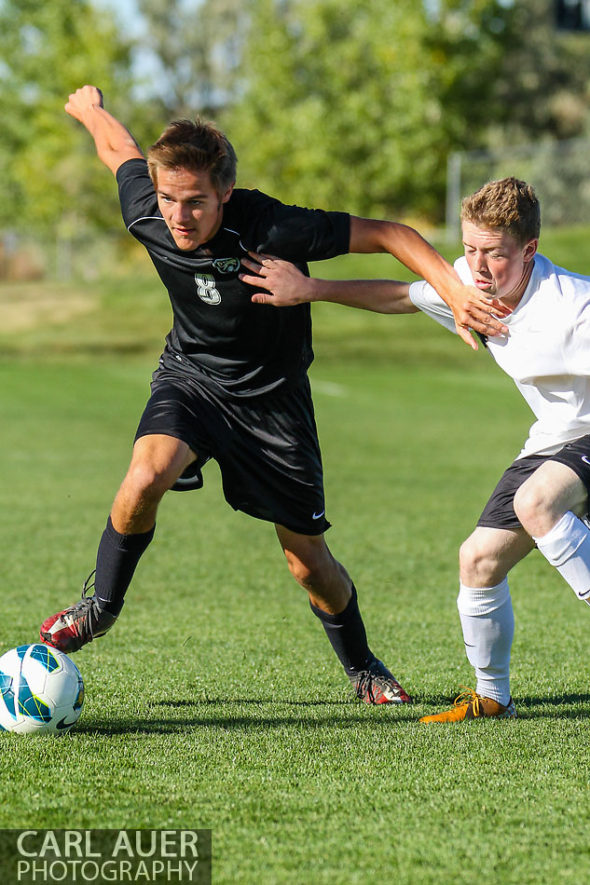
x=507 y=204
x=196 y=145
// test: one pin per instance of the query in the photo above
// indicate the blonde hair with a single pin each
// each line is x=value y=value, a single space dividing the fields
x=507 y=204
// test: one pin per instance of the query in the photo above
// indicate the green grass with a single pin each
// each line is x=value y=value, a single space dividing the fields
x=216 y=702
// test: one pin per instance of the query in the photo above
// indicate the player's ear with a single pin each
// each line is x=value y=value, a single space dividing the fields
x=529 y=250
x=227 y=194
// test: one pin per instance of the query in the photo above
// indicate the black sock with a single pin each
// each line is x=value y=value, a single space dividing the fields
x=347 y=635
x=116 y=560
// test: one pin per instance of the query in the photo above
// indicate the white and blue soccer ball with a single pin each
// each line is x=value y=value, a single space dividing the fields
x=41 y=690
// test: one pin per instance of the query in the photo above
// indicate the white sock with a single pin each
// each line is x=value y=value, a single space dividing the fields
x=567 y=548
x=487 y=621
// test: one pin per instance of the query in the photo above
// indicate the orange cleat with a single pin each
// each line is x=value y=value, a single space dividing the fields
x=470 y=705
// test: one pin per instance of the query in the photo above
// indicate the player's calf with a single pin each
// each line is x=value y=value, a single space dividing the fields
x=567 y=548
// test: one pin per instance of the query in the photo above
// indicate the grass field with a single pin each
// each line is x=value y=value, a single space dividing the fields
x=216 y=702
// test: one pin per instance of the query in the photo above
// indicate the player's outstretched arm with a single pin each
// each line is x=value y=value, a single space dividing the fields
x=286 y=286
x=114 y=143
x=471 y=308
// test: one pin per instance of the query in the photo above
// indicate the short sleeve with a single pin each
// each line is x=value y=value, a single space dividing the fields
x=293 y=232
x=136 y=191
x=426 y=299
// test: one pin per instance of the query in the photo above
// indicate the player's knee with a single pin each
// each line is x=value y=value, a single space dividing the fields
x=468 y=557
x=478 y=564
x=532 y=508
x=145 y=482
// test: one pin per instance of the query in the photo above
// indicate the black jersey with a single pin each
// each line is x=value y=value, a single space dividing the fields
x=247 y=349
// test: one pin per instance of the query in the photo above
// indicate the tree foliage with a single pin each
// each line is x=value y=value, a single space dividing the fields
x=328 y=99
x=542 y=87
x=190 y=51
x=47 y=51
x=333 y=103
x=358 y=106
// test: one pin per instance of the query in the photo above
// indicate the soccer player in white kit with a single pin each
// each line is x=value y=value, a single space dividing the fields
x=542 y=498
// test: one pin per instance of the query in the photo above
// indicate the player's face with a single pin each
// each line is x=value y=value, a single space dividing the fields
x=190 y=206
x=499 y=265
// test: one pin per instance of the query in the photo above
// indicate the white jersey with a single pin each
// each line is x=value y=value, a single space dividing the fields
x=547 y=350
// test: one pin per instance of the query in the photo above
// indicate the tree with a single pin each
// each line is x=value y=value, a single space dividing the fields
x=47 y=51
x=193 y=48
x=357 y=106
x=543 y=84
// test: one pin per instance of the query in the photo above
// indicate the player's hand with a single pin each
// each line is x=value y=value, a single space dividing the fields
x=284 y=283
x=473 y=310
x=82 y=99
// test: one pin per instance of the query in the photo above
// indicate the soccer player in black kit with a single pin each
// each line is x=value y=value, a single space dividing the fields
x=232 y=382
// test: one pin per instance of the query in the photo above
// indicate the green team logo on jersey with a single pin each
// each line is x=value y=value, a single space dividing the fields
x=227 y=265
x=206 y=288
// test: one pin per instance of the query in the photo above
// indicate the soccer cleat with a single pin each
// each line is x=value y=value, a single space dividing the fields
x=470 y=705
x=73 y=627
x=376 y=685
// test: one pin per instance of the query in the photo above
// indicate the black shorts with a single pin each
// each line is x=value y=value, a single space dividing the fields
x=499 y=511
x=267 y=448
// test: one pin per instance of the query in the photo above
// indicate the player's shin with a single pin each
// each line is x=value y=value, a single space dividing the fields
x=372 y=681
x=487 y=621
x=116 y=562
x=347 y=636
x=567 y=547
x=93 y=615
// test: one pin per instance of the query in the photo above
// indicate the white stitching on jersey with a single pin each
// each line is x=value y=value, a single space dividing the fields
x=145 y=218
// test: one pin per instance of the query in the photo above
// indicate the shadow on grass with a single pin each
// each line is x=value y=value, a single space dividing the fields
x=566 y=706
x=571 y=706
x=245 y=701
x=226 y=721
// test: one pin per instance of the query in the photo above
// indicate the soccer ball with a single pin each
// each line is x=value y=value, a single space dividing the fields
x=41 y=690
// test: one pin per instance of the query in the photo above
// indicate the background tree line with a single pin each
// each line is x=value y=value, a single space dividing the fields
x=328 y=102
